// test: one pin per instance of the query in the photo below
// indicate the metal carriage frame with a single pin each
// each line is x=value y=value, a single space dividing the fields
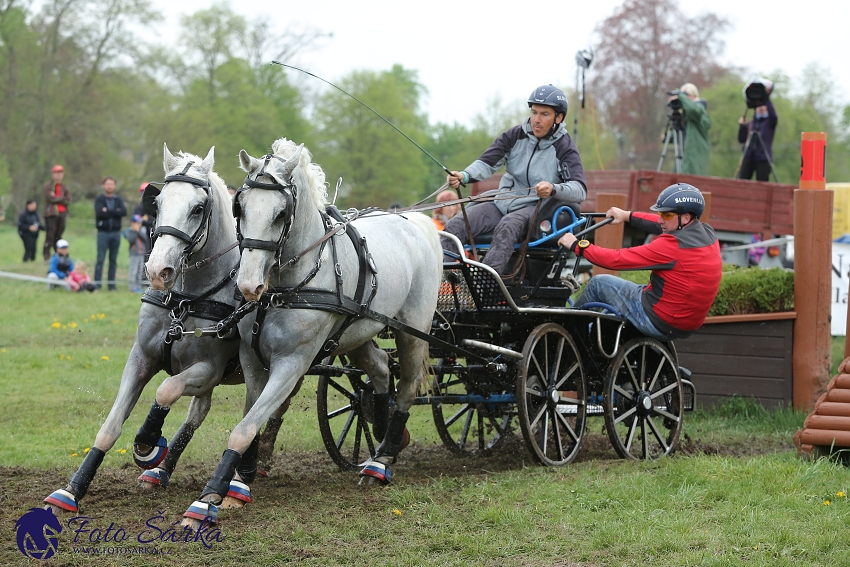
x=515 y=357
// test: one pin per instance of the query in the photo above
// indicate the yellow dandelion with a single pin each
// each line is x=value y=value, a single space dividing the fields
x=74 y=454
x=61 y=357
x=85 y=320
x=64 y=326
x=68 y=357
x=2 y=350
x=840 y=494
x=122 y=451
x=56 y=324
x=72 y=324
x=101 y=315
x=104 y=357
x=93 y=317
x=397 y=512
x=826 y=502
x=87 y=449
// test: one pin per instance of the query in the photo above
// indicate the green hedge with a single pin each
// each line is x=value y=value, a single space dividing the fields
x=745 y=290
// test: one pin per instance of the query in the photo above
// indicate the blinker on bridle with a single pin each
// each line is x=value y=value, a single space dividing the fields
x=290 y=197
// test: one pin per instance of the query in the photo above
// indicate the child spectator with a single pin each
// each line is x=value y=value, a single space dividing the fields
x=79 y=278
x=28 y=227
x=61 y=265
x=139 y=245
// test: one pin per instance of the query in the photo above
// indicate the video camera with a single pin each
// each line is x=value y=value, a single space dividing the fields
x=757 y=92
x=675 y=104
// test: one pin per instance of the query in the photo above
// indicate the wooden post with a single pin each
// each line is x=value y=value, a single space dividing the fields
x=609 y=236
x=812 y=294
x=706 y=214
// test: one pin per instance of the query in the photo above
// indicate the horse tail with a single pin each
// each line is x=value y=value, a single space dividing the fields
x=426 y=225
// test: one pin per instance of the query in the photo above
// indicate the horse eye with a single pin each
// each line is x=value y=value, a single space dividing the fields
x=198 y=209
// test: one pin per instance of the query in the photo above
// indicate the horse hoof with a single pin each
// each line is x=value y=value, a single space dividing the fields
x=238 y=495
x=61 y=500
x=262 y=472
x=153 y=456
x=150 y=479
x=199 y=511
x=375 y=471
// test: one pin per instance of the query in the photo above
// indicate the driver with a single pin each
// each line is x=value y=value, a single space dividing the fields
x=684 y=259
x=541 y=161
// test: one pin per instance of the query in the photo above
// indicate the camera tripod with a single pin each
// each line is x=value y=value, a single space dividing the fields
x=676 y=132
x=754 y=133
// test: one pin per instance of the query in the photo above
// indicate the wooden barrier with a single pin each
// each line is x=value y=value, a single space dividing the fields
x=609 y=236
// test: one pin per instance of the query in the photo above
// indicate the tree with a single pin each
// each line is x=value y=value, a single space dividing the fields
x=646 y=48
x=378 y=165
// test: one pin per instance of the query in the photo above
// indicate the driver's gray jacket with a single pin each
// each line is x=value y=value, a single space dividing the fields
x=529 y=160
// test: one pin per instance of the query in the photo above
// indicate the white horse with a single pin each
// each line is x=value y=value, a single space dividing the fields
x=193 y=261
x=294 y=256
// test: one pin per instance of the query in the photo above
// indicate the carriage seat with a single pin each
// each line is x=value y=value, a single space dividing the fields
x=552 y=223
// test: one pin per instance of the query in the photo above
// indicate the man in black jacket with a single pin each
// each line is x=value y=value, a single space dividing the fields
x=28 y=226
x=758 y=152
x=108 y=210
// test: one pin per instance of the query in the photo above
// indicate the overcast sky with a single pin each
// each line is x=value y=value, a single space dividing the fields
x=467 y=52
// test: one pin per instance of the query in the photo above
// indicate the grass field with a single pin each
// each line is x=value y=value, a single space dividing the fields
x=735 y=494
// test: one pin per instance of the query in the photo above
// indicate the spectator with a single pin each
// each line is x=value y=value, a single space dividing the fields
x=757 y=137
x=697 y=123
x=61 y=266
x=139 y=245
x=56 y=201
x=443 y=214
x=108 y=210
x=139 y=209
x=231 y=189
x=28 y=226
x=79 y=279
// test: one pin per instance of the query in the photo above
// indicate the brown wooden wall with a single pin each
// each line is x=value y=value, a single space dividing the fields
x=750 y=359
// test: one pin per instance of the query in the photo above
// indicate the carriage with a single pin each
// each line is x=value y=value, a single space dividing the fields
x=507 y=358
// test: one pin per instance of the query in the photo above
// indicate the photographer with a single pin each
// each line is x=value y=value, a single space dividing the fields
x=757 y=137
x=697 y=123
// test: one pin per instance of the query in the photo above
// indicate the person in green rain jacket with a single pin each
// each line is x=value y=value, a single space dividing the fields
x=697 y=123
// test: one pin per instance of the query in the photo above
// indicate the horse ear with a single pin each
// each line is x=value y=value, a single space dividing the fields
x=169 y=162
x=209 y=161
x=248 y=163
x=292 y=162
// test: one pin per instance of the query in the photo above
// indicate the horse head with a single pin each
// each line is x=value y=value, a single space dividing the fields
x=192 y=198
x=265 y=209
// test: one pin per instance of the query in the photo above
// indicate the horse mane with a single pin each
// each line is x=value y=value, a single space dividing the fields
x=312 y=171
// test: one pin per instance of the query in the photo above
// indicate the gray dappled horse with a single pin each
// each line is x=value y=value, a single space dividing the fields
x=302 y=271
x=191 y=268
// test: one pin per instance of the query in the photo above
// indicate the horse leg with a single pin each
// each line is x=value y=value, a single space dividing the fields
x=150 y=447
x=413 y=355
x=137 y=372
x=374 y=362
x=269 y=435
x=199 y=407
x=269 y=397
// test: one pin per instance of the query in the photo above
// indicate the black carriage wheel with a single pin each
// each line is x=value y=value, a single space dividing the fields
x=344 y=406
x=643 y=401
x=468 y=428
x=551 y=395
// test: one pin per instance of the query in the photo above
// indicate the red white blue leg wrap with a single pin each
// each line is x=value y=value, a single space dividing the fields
x=239 y=491
x=154 y=456
x=202 y=511
x=377 y=470
x=63 y=499
x=157 y=476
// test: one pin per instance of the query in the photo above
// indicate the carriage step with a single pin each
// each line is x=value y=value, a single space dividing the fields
x=689 y=394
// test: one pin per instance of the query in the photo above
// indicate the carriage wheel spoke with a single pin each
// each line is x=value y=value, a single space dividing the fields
x=339 y=412
x=341 y=389
x=567 y=375
x=558 y=354
x=480 y=430
x=663 y=391
x=657 y=434
x=355 y=452
x=625 y=393
x=643 y=367
x=540 y=413
x=567 y=426
x=464 y=434
x=644 y=437
x=557 y=434
x=666 y=414
x=631 y=434
x=632 y=376
x=464 y=408
x=655 y=376
x=625 y=415
x=572 y=401
x=539 y=370
x=544 y=431
x=345 y=428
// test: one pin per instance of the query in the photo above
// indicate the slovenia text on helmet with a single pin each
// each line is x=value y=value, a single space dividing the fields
x=548 y=95
x=680 y=198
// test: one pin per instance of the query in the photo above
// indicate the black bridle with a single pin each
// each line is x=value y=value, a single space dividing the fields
x=203 y=228
x=288 y=191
